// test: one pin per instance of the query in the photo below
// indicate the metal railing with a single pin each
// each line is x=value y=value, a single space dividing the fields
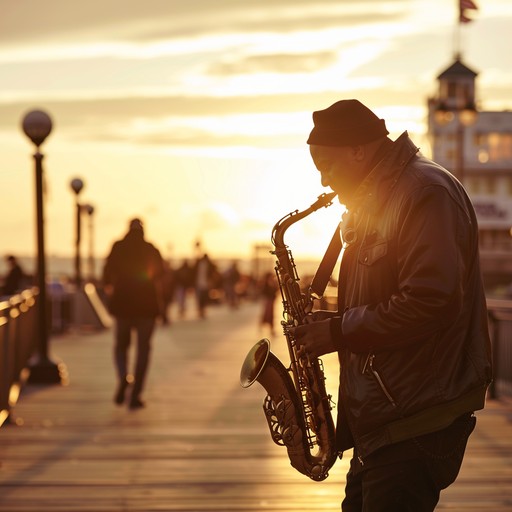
x=500 y=327
x=18 y=335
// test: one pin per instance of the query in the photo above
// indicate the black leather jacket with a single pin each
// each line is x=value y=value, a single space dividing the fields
x=413 y=339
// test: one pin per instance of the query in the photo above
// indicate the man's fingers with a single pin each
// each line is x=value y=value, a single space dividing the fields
x=299 y=332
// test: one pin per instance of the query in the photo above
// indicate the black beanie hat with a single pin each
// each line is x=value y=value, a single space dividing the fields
x=136 y=224
x=346 y=123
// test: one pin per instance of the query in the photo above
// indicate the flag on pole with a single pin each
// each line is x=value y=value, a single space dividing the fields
x=463 y=6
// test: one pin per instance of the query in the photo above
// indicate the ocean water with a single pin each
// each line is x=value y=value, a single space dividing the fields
x=62 y=268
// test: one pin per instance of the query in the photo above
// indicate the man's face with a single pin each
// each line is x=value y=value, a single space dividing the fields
x=339 y=167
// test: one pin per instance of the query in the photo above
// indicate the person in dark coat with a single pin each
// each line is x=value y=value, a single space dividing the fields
x=411 y=327
x=168 y=291
x=204 y=273
x=133 y=282
x=269 y=289
x=185 y=279
x=13 y=281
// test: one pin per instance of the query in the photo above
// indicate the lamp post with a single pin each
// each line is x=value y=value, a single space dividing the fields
x=37 y=125
x=89 y=209
x=77 y=185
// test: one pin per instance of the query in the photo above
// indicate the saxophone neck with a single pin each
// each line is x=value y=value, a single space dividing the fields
x=280 y=228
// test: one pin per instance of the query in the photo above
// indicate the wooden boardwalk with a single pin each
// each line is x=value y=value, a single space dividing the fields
x=201 y=444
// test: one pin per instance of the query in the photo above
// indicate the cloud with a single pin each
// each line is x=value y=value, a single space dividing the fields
x=274 y=63
x=113 y=20
x=128 y=94
x=217 y=216
x=274 y=120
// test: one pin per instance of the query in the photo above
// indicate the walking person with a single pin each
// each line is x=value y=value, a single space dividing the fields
x=203 y=281
x=411 y=327
x=184 y=284
x=231 y=279
x=168 y=292
x=14 y=280
x=133 y=283
x=269 y=289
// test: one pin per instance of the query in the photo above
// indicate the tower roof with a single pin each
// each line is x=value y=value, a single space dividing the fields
x=457 y=69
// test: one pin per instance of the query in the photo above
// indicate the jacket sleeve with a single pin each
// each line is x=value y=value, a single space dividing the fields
x=434 y=245
x=110 y=265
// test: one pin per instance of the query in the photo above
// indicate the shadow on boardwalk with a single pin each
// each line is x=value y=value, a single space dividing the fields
x=200 y=445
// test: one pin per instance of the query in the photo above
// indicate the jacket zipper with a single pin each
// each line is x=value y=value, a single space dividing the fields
x=369 y=361
x=350 y=304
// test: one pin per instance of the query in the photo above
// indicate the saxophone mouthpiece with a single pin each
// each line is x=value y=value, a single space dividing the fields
x=325 y=199
x=330 y=195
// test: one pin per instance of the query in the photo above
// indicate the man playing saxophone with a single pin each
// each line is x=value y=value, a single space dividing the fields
x=411 y=325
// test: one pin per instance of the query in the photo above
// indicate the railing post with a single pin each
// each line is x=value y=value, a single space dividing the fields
x=494 y=324
x=4 y=363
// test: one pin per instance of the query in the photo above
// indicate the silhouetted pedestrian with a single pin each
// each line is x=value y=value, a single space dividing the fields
x=203 y=275
x=14 y=279
x=168 y=290
x=231 y=279
x=133 y=283
x=184 y=276
x=269 y=289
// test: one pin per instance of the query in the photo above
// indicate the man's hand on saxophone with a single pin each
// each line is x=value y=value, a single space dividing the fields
x=314 y=337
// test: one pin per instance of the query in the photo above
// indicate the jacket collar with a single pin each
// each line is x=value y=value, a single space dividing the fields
x=373 y=192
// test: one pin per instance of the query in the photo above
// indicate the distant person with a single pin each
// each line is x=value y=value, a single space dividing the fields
x=133 y=283
x=203 y=275
x=184 y=277
x=15 y=277
x=231 y=279
x=168 y=291
x=269 y=288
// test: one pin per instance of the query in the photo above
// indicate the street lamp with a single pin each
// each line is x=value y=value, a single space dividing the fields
x=89 y=209
x=77 y=185
x=37 y=125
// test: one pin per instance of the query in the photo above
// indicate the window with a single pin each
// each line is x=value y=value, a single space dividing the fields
x=489 y=185
x=499 y=146
x=451 y=156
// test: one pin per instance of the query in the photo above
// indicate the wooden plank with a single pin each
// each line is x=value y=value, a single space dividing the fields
x=201 y=444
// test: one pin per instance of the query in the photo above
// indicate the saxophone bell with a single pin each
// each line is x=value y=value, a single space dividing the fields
x=254 y=363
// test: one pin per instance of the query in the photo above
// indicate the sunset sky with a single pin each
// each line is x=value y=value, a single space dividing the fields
x=194 y=115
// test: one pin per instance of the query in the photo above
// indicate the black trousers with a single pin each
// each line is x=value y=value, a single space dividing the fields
x=408 y=476
x=143 y=328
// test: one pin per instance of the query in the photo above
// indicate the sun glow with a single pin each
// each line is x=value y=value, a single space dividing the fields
x=196 y=119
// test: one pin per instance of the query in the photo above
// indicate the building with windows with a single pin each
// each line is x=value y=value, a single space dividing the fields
x=476 y=146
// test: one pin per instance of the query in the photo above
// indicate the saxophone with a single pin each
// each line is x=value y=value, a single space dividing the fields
x=297 y=407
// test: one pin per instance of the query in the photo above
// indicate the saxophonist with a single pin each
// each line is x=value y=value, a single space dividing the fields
x=411 y=326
